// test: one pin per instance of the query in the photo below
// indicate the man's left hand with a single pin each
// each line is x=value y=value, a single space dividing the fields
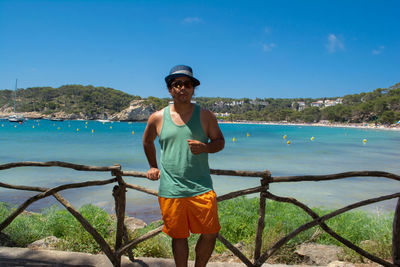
x=197 y=147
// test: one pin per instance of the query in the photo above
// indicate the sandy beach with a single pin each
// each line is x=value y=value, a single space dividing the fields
x=392 y=127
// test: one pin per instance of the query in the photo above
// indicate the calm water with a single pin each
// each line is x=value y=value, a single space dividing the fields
x=333 y=150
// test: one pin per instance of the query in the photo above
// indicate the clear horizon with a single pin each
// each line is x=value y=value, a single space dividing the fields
x=257 y=49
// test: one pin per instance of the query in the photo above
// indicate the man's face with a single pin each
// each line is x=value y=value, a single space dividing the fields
x=182 y=89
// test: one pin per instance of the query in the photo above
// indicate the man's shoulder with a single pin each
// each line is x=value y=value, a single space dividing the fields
x=206 y=113
x=156 y=116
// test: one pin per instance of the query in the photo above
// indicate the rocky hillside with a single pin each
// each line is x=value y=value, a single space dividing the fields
x=75 y=102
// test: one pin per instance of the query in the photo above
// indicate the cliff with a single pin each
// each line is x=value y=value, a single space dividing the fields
x=138 y=110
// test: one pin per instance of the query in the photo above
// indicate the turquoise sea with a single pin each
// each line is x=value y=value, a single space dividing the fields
x=333 y=150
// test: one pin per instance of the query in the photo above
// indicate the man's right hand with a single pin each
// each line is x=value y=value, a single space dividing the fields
x=153 y=174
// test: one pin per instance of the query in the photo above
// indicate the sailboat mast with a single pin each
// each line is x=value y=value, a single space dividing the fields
x=103 y=108
x=15 y=95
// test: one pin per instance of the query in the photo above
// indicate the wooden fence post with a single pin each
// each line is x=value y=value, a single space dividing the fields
x=396 y=235
x=261 y=220
x=119 y=194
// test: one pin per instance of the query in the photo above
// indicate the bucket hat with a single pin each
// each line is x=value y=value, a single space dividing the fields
x=181 y=71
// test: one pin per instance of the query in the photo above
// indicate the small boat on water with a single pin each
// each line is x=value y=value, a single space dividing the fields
x=56 y=119
x=103 y=121
x=16 y=117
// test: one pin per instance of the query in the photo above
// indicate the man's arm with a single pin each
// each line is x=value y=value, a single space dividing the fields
x=217 y=140
x=150 y=134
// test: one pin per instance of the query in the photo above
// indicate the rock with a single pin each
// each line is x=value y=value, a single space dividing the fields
x=45 y=243
x=133 y=223
x=240 y=245
x=137 y=111
x=32 y=115
x=6 y=241
x=368 y=245
x=7 y=109
x=66 y=116
x=319 y=254
x=340 y=264
x=228 y=256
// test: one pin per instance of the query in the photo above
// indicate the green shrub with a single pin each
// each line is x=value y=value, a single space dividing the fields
x=74 y=237
x=157 y=246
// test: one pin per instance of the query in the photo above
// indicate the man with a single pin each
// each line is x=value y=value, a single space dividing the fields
x=187 y=133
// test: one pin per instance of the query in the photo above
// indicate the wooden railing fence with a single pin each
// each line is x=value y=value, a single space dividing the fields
x=124 y=245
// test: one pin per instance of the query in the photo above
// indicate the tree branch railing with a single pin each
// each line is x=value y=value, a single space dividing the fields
x=124 y=245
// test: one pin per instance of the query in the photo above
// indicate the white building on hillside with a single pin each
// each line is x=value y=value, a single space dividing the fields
x=318 y=103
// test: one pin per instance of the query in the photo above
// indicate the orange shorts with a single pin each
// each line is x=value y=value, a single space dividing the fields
x=198 y=214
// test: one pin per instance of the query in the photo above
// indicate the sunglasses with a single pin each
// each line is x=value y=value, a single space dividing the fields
x=181 y=84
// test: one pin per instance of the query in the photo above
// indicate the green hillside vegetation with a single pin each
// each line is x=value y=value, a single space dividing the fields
x=379 y=106
x=71 y=99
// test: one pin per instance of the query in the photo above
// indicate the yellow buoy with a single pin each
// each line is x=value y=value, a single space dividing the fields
x=85 y=122
x=288 y=142
x=284 y=137
x=248 y=134
x=33 y=126
x=92 y=131
x=77 y=129
x=365 y=140
x=233 y=139
x=58 y=128
x=133 y=132
x=312 y=138
x=86 y=126
x=110 y=127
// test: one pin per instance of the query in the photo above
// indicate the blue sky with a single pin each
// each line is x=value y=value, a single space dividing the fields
x=279 y=49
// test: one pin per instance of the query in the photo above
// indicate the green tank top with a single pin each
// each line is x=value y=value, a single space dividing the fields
x=183 y=174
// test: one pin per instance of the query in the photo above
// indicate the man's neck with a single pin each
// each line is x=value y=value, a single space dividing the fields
x=182 y=108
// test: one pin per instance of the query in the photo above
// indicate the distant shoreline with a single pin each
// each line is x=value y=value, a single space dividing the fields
x=393 y=127
x=319 y=124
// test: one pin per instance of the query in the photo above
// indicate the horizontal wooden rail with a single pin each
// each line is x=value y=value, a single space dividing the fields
x=336 y=176
x=264 y=174
x=77 y=167
x=134 y=173
x=142 y=189
x=239 y=193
